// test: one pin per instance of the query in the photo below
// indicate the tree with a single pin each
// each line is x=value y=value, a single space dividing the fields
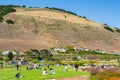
x=10 y=56
x=23 y=6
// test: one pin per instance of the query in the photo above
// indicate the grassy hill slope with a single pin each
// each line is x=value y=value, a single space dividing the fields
x=44 y=28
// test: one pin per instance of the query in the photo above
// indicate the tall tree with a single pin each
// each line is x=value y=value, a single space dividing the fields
x=10 y=56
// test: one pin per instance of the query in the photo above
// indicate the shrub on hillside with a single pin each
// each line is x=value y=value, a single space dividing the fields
x=117 y=30
x=9 y=21
x=1 y=19
x=61 y=10
x=108 y=28
x=5 y=10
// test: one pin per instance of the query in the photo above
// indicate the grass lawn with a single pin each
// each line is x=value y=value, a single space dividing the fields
x=9 y=73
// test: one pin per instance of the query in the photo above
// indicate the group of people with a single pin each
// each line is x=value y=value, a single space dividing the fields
x=45 y=72
x=75 y=67
x=33 y=66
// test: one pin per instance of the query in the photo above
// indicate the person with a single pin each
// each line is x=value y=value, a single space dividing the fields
x=18 y=65
x=18 y=75
x=48 y=66
x=44 y=72
x=35 y=66
x=66 y=67
x=76 y=67
x=52 y=71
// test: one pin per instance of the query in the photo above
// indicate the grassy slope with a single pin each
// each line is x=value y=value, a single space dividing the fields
x=51 y=28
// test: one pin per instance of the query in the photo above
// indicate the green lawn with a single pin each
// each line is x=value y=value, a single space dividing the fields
x=9 y=73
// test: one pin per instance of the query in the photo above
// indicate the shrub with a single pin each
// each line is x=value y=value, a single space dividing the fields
x=9 y=21
x=6 y=59
x=35 y=61
x=10 y=56
x=1 y=19
x=53 y=8
x=117 y=30
x=1 y=58
x=114 y=78
x=5 y=10
x=106 y=26
x=94 y=70
x=106 y=75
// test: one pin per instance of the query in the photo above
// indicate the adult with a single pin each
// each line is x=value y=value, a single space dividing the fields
x=18 y=65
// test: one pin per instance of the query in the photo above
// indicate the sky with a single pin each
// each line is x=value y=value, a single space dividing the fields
x=102 y=11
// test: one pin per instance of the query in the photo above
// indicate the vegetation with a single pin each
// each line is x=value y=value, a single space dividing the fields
x=106 y=75
x=53 y=8
x=9 y=21
x=39 y=55
x=71 y=56
x=117 y=30
x=5 y=10
x=10 y=56
x=106 y=26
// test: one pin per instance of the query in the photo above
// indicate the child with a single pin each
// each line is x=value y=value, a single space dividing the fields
x=52 y=71
x=66 y=67
x=18 y=75
x=44 y=72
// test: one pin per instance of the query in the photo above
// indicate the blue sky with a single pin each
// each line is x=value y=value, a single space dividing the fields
x=102 y=11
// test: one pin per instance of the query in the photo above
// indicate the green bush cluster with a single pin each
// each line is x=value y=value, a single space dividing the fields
x=9 y=21
x=106 y=26
x=117 y=30
x=5 y=10
x=61 y=10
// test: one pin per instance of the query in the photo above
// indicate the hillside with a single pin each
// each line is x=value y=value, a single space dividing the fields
x=45 y=28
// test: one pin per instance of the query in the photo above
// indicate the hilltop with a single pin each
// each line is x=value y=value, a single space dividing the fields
x=38 y=28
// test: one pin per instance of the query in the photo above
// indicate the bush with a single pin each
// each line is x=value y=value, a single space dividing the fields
x=6 y=59
x=10 y=56
x=94 y=70
x=106 y=26
x=62 y=10
x=9 y=21
x=35 y=61
x=1 y=19
x=117 y=30
x=114 y=78
x=106 y=75
x=5 y=9
x=1 y=58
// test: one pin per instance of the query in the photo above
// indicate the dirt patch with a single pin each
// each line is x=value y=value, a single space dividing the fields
x=75 y=78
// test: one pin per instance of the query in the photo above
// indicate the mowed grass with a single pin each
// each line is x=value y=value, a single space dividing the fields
x=9 y=73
